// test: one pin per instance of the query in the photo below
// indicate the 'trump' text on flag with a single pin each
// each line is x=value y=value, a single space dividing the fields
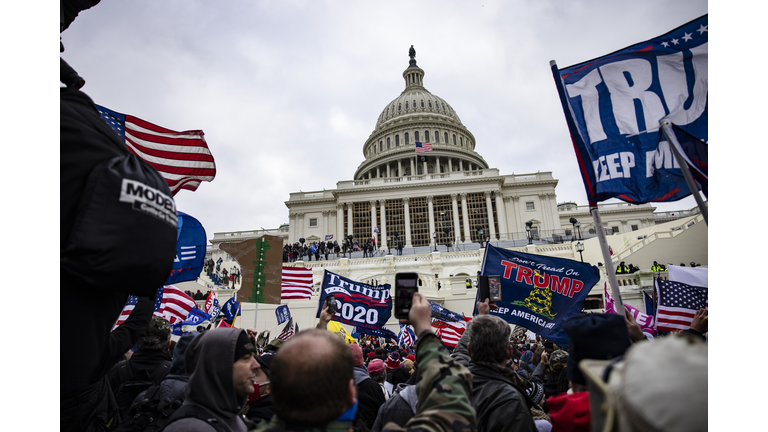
x=614 y=105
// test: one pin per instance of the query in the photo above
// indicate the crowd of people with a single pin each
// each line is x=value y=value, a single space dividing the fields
x=229 y=379
x=300 y=251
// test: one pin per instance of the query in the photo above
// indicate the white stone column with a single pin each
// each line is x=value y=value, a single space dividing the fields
x=388 y=174
x=431 y=216
x=292 y=227
x=456 y=229
x=373 y=221
x=545 y=225
x=424 y=168
x=301 y=224
x=413 y=166
x=407 y=215
x=326 y=216
x=339 y=221
x=350 y=221
x=509 y=213
x=437 y=164
x=519 y=219
x=491 y=225
x=450 y=166
x=465 y=214
x=461 y=165
x=383 y=206
x=378 y=172
x=400 y=172
x=501 y=215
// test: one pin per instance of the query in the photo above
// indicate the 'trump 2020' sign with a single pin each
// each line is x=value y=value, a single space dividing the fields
x=359 y=304
x=539 y=292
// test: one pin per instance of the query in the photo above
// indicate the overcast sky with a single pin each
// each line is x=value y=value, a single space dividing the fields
x=287 y=92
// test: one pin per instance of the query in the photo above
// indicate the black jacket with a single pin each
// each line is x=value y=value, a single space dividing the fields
x=500 y=406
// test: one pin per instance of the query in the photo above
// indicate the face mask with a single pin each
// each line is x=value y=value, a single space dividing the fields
x=256 y=395
x=349 y=414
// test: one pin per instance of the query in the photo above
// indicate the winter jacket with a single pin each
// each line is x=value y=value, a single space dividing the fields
x=500 y=406
x=369 y=396
x=209 y=360
x=399 y=408
x=443 y=391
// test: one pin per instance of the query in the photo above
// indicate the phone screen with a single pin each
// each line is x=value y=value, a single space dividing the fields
x=405 y=288
x=494 y=288
x=330 y=301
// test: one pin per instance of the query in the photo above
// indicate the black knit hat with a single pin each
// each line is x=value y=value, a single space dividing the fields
x=243 y=346
x=594 y=336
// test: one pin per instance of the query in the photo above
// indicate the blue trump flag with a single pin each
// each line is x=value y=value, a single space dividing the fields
x=380 y=332
x=190 y=250
x=283 y=314
x=361 y=305
x=444 y=314
x=539 y=292
x=614 y=104
x=231 y=308
x=196 y=316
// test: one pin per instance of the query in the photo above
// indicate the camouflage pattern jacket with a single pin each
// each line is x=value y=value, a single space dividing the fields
x=443 y=386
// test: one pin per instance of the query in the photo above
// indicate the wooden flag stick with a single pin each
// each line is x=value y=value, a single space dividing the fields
x=609 y=268
x=665 y=125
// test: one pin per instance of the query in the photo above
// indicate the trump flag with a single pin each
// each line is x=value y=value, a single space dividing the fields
x=539 y=292
x=359 y=304
x=614 y=105
x=190 y=250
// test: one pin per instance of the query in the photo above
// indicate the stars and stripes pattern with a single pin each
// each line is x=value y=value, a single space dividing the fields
x=422 y=147
x=677 y=304
x=406 y=337
x=182 y=158
x=127 y=309
x=449 y=332
x=173 y=304
x=296 y=283
x=288 y=331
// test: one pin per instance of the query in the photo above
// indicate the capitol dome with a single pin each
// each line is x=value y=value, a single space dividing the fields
x=417 y=115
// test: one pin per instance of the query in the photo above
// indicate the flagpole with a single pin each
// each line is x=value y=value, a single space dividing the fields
x=606 y=257
x=673 y=143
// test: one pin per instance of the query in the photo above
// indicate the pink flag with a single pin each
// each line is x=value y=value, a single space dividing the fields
x=644 y=320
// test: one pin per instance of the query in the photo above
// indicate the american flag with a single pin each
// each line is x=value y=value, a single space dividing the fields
x=449 y=332
x=173 y=304
x=296 y=284
x=288 y=331
x=127 y=309
x=406 y=337
x=678 y=304
x=182 y=158
x=423 y=147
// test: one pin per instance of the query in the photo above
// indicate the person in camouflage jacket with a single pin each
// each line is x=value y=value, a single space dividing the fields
x=442 y=384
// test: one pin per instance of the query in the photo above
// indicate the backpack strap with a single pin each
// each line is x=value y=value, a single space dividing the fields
x=200 y=413
x=124 y=371
x=160 y=372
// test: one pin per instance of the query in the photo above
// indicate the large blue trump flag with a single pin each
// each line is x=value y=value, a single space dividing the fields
x=361 y=305
x=613 y=106
x=190 y=250
x=539 y=292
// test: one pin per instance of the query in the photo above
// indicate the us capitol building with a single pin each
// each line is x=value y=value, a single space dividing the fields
x=441 y=205
x=448 y=195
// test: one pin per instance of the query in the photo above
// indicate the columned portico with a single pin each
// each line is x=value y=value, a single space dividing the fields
x=407 y=215
x=491 y=225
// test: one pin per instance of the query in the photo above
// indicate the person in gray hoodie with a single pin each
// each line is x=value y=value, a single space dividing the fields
x=222 y=370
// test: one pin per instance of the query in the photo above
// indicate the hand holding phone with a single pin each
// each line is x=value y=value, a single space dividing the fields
x=406 y=285
x=330 y=303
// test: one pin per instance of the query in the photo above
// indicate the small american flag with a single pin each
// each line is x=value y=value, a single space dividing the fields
x=423 y=147
x=182 y=158
x=678 y=304
x=174 y=305
x=288 y=331
x=296 y=283
x=449 y=332
x=406 y=338
x=127 y=309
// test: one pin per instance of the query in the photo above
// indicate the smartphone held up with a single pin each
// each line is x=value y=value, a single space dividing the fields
x=406 y=285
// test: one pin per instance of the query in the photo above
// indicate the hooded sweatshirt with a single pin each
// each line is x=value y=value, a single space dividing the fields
x=209 y=361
